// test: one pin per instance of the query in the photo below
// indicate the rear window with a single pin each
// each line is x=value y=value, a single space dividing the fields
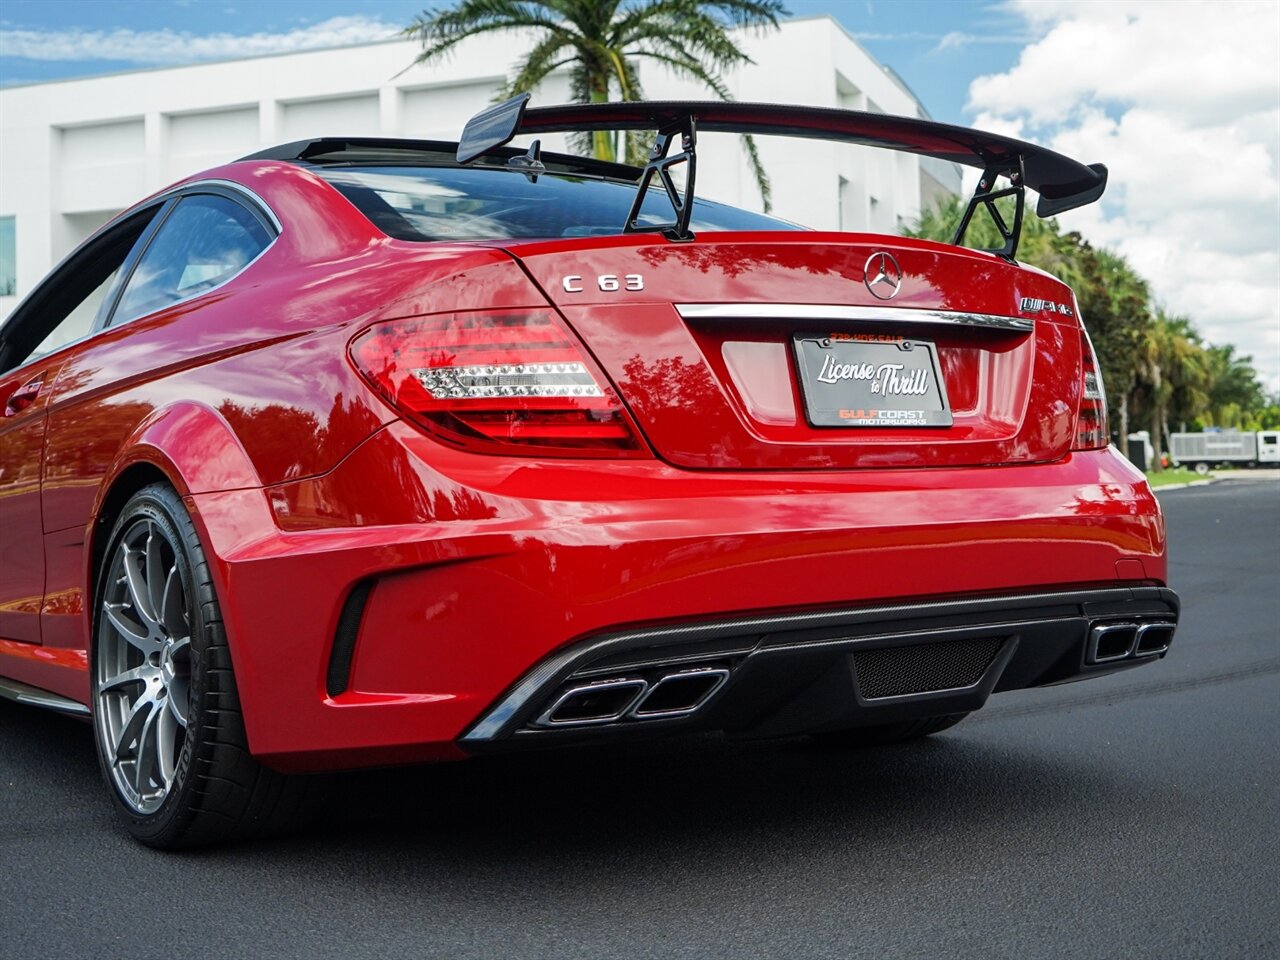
x=451 y=203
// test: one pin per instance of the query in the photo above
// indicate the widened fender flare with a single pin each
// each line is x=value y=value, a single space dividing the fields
x=197 y=452
x=192 y=444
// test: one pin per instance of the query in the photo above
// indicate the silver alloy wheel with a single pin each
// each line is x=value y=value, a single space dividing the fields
x=142 y=683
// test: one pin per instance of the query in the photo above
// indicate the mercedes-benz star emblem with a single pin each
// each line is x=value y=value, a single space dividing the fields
x=882 y=275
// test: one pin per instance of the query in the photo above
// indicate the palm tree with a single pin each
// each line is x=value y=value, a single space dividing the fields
x=1234 y=390
x=603 y=42
x=1174 y=373
x=1114 y=300
x=1125 y=315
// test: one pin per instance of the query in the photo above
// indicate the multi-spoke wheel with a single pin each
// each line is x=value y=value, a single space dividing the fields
x=170 y=736
x=144 y=665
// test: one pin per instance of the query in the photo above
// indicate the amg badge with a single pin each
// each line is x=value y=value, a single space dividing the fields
x=1036 y=305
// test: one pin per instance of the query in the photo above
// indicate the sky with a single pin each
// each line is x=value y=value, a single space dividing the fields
x=1181 y=100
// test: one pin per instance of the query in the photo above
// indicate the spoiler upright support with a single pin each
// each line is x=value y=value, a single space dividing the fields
x=986 y=194
x=660 y=164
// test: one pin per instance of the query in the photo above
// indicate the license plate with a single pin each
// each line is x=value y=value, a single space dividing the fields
x=870 y=380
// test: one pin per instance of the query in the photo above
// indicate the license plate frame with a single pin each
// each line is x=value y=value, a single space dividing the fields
x=870 y=380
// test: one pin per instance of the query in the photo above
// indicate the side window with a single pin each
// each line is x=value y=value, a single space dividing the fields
x=66 y=304
x=204 y=242
x=8 y=258
x=79 y=321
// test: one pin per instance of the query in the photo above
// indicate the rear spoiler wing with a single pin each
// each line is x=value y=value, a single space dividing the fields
x=1063 y=183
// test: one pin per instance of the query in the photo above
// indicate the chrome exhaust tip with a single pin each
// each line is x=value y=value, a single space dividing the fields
x=680 y=694
x=600 y=702
x=1153 y=639
x=1110 y=642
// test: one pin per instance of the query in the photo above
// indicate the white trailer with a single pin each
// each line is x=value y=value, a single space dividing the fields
x=1201 y=451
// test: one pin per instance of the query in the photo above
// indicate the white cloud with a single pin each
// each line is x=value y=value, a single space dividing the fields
x=171 y=46
x=1181 y=101
x=957 y=39
x=946 y=41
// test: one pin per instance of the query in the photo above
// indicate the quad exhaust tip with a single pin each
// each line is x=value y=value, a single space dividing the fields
x=1112 y=642
x=676 y=694
x=680 y=694
x=1153 y=639
x=600 y=702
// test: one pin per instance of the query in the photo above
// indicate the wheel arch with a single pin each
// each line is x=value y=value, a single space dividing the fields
x=188 y=446
x=130 y=480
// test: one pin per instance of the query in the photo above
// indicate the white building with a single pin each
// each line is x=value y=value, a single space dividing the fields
x=73 y=153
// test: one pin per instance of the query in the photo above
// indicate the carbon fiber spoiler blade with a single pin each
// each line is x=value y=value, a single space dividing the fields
x=492 y=127
x=1063 y=183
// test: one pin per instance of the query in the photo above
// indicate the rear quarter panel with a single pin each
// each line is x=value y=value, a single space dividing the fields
x=248 y=385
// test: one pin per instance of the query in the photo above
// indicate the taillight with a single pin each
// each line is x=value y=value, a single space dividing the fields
x=1092 y=432
x=497 y=382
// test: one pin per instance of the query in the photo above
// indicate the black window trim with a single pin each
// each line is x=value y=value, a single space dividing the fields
x=125 y=271
x=163 y=204
x=36 y=297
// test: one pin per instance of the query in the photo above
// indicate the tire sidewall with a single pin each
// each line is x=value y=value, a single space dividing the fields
x=162 y=506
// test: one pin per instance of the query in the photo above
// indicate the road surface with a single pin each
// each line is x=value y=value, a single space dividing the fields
x=1132 y=816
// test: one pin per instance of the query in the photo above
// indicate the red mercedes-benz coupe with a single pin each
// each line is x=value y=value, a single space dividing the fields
x=361 y=452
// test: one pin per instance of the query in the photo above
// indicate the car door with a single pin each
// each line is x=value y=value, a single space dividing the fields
x=22 y=427
x=36 y=341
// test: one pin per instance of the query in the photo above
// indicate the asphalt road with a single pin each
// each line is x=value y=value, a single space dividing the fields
x=1132 y=816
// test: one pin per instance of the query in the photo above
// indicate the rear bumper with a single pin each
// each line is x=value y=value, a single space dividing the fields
x=807 y=672
x=392 y=638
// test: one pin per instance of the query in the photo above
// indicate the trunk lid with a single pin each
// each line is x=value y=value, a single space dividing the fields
x=700 y=340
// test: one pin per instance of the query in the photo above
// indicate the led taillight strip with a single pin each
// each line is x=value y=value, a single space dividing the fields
x=509 y=380
x=497 y=382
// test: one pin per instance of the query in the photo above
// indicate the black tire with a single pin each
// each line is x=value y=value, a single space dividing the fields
x=1202 y=469
x=197 y=782
x=888 y=733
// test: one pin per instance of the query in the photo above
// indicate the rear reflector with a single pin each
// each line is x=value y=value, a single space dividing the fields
x=1092 y=432
x=497 y=382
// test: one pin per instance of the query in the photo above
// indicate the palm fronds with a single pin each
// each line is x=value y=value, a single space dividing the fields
x=601 y=42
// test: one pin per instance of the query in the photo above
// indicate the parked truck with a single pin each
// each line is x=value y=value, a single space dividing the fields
x=1201 y=451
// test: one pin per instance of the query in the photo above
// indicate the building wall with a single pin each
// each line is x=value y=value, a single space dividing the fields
x=74 y=153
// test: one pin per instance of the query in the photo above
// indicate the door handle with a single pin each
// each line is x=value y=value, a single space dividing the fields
x=24 y=396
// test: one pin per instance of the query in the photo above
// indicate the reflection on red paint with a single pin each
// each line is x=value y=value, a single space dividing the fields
x=303 y=480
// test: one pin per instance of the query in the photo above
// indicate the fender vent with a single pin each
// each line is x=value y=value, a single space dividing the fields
x=338 y=676
x=924 y=667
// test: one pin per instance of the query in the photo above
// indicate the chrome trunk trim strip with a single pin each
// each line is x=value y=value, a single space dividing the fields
x=828 y=311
